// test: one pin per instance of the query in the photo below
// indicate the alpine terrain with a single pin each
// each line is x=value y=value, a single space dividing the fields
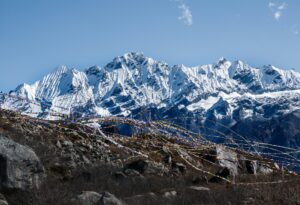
x=261 y=104
x=141 y=132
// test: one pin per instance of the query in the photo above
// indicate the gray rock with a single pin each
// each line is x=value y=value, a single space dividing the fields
x=20 y=168
x=139 y=165
x=167 y=155
x=155 y=168
x=263 y=169
x=247 y=166
x=199 y=188
x=170 y=194
x=67 y=144
x=58 y=144
x=227 y=158
x=94 y=198
x=109 y=199
x=3 y=200
x=87 y=198
x=86 y=160
x=178 y=167
x=147 y=197
x=132 y=173
x=254 y=167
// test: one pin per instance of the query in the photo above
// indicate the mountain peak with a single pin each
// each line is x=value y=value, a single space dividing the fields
x=61 y=69
x=129 y=60
x=130 y=56
x=133 y=55
x=133 y=80
x=93 y=70
x=221 y=60
x=223 y=63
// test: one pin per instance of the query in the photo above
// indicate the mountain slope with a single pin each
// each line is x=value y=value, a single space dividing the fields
x=132 y=81
x=136 y=86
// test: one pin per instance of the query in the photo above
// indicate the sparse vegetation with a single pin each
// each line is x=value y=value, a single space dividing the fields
x=76 y=160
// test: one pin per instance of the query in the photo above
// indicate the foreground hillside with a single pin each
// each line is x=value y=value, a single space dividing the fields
x=56 y=162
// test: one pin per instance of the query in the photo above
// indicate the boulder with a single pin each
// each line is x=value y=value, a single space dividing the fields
x=178 y=168
x=247 y=166
x=254 y=167
x=20 y=168
x=109 y=199
x=3 y=200
x=264 y=169
x=155 y=168
x=167 y=156
x=222 y=174
x=132 y=173
x=170 y=194
x=145 y=167
x=138 y=165
x=94 y=198
x=251 y=166
x=147 y=197
x=87 y=198
x=228 y=159
x=199 y=188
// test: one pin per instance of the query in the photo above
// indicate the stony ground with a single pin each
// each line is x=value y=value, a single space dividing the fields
x=70 y=163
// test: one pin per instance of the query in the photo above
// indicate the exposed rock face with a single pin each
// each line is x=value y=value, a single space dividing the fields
x=230 y=160
x=227 y=158
x=94 y=198
x=20 y=168
x=254 y=167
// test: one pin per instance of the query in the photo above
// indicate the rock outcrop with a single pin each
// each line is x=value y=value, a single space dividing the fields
x=3 y=200
x=227 y=158
x=145 y=167
x=94 y=198
x=20 y=168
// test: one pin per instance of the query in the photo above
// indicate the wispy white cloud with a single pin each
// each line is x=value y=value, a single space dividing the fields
x=277 y=15
x=186 y=14
x=295 y=29
x=271 y=4
x=282 y=6
x=277 y=9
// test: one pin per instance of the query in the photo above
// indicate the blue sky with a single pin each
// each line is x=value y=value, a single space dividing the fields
x=38 y=35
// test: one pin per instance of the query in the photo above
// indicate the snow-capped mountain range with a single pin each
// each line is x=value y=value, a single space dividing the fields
x=224 y=90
